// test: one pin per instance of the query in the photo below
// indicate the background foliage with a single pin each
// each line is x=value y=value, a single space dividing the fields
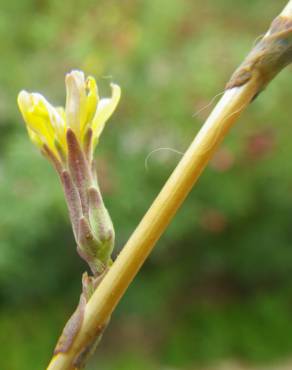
x=218 y=286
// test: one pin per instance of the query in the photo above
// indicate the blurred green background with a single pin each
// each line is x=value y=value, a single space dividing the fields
x=218 y=286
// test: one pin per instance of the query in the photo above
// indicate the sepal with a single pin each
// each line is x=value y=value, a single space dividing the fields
x=79 y=168
x=73 y=201
x=88 y=247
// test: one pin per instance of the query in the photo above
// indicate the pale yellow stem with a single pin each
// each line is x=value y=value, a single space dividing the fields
x=287 y=11
x=156 y=220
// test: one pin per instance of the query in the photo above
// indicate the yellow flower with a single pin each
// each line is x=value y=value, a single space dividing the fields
x=84 y=111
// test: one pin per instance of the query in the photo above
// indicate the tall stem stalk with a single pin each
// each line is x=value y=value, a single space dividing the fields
x=116 y=281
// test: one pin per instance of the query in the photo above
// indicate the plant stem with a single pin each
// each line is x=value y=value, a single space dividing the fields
x=287 y=11
x=116 y=281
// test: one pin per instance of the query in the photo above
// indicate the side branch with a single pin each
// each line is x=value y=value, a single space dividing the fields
x=260 y=68
x=268 y=57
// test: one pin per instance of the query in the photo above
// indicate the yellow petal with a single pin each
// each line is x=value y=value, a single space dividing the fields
x=91 y=102
x=34 y=138
x=61 y=112
x=75 y=101
x=104 y=110
x=43 y=121
x=35 y=115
